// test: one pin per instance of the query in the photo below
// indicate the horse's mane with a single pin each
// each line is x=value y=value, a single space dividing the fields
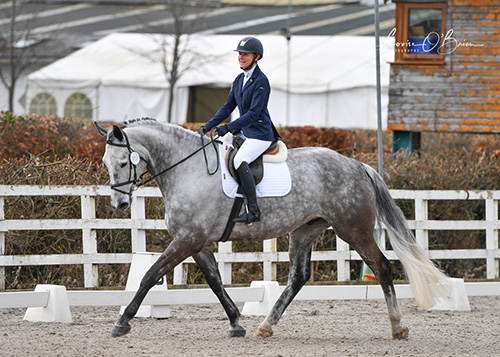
x=140 y=121
x=153 y=122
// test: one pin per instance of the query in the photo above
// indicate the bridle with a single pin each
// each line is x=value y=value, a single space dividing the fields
x=134 y=159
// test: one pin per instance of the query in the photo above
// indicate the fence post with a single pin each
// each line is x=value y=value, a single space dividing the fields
x=138 y=211
x=269 y=268
x=2 y=245
x=492 y=264
x=89 y=242
x=181 y=274
x=422 y=214
x=343 y=265
x=225 y=269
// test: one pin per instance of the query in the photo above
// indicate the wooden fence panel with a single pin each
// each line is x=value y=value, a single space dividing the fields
x=269 y=257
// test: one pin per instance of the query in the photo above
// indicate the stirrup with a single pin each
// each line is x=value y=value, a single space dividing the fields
x=248 y=217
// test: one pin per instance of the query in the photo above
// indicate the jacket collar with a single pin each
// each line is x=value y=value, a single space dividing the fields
x=256 y=72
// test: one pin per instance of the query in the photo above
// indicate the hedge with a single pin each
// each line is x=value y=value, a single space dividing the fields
x=37 y=150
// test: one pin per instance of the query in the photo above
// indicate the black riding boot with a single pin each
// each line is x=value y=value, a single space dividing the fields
x=248 y=184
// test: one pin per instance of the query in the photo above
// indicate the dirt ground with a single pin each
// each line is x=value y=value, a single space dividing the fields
x=320 y=328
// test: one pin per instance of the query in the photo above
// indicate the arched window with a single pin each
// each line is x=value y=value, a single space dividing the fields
x=43 y=104
x=78 y=106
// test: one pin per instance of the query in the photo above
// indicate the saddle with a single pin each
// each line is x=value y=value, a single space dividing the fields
x=277 y=152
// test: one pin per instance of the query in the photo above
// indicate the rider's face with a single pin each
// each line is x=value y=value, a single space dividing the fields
x=245 y=59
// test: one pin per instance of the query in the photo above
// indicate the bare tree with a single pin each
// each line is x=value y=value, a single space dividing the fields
x=173 y=71
x=18 y=46
x=186 y=17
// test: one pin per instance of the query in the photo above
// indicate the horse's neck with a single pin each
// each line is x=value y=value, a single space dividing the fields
x=166 y=146
x=183 y=185
x=166 y=143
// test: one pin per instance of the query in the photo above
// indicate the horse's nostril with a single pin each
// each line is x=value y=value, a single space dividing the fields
x=123 y=206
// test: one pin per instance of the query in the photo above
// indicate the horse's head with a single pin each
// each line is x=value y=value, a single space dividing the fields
x=125 y=166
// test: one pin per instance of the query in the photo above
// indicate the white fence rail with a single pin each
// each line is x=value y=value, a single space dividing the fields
x=139 y=224
x=27 y=299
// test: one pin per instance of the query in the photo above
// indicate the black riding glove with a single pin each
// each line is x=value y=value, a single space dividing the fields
x=222 y=130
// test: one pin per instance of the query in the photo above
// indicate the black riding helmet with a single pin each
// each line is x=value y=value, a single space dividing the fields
x=250 y=45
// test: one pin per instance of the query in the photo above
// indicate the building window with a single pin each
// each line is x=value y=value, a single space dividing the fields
x=78 y=106
x=43 y=104
x=204 y=101
x=420 y=31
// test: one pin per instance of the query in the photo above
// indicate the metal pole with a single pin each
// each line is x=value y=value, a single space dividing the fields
x=380 y=147
x=288 y=61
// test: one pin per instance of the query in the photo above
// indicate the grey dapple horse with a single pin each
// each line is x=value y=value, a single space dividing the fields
x=328 y=189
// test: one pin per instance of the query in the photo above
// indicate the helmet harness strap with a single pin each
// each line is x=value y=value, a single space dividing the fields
x=251 y=64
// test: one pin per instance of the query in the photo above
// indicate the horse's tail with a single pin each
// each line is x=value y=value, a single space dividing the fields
x=427 y=281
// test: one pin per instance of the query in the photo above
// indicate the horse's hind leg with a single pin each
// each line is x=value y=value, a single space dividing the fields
x=381 y=267
x=206 y=261
x=300 y=247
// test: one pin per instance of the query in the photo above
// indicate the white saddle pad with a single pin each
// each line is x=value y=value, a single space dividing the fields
x=275 y=183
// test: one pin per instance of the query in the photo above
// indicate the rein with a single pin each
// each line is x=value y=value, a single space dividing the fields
x=134 y=160
x=213 y=141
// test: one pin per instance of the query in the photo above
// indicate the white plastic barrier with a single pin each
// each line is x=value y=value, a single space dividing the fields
x=272 y=292
x=24 y=299
x=56 y=308
x=457 y=301
x=51 y=302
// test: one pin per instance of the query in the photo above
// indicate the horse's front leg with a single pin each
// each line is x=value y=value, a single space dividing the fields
x=176 y=252
x=206 y=261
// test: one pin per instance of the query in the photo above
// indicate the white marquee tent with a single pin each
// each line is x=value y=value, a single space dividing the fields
x=332 y=78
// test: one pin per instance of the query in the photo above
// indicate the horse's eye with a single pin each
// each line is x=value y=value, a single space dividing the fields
x=123 y=164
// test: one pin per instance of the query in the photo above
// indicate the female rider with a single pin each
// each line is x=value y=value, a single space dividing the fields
x=250 y=92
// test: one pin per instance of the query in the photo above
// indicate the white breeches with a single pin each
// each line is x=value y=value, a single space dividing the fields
x=250 y=150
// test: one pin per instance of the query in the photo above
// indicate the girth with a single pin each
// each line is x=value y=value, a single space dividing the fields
x=257 y=166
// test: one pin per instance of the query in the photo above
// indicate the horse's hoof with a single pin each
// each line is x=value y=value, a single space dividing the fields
x=237 y=332
x=120 y=330
x=263 y=332
x=402 y=335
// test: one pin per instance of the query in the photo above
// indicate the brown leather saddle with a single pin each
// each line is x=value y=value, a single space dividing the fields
x=257 y=167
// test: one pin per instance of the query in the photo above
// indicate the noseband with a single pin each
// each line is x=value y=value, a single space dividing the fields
x=134 y=160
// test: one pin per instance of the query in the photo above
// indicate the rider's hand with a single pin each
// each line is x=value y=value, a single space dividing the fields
x=222 y=130
x=203 y=130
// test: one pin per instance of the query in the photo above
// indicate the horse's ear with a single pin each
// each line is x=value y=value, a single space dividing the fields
x=117 y=132
x=103 y=132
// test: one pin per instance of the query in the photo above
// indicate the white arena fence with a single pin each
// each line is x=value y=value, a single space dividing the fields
x=90 y=258
x=255 y=293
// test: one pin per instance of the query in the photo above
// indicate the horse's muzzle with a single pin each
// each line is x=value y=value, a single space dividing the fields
x=120 y=202
x=123 y=205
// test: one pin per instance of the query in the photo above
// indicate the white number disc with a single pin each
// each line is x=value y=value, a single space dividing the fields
x=135 y=158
